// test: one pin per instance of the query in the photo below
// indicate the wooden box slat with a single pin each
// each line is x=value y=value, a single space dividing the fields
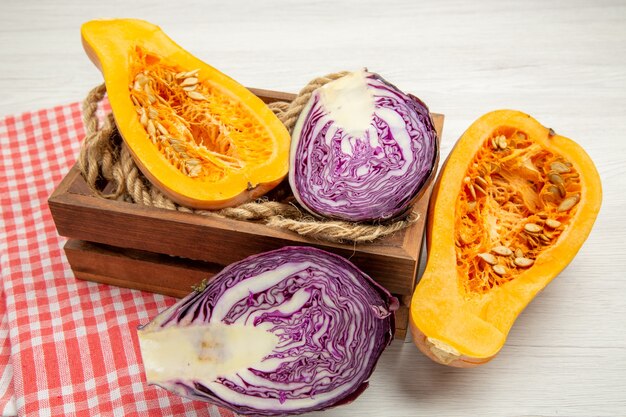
x=218 y=240
x=154 y=272
x=141 y=270
x=135 y=246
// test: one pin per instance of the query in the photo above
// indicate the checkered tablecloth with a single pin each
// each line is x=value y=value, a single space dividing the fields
x=67 y=347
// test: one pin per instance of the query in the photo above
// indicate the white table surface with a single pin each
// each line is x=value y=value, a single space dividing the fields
x=564 y=62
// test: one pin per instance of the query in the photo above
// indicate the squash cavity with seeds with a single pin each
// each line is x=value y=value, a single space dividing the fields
x=512 y=206
x=200 y=137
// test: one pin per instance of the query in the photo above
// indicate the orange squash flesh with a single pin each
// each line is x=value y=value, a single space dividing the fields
x=203 y=139
x=512 y=206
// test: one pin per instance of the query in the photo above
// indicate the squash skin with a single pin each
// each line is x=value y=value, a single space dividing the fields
x=108 y=44
x=469 y=330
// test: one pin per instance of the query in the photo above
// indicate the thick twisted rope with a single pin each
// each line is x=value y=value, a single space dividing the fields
x=104 y=156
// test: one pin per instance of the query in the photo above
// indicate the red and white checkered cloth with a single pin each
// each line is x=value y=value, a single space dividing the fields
x=73 y=344
x=7 y=401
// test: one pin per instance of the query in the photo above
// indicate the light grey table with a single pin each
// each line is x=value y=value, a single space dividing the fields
x=564 y=62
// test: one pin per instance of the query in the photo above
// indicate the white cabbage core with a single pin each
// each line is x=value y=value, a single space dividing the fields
x=349 y=102
x=203 y=352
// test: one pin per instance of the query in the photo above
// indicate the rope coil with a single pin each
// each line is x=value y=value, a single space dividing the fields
x=105 y=156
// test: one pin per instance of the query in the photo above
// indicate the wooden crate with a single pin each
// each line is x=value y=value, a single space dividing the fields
x=167 y=252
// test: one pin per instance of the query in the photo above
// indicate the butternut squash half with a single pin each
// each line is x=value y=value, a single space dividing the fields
x=203 y=139
x=512 y=206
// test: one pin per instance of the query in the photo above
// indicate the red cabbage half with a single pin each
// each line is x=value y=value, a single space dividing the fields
x=361 y=150
x=284 y=332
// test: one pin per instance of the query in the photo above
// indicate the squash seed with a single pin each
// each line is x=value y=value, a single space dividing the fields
x=193 y=73
x=555 y=178
x=151 y=128
x=162 y=100
x=502 y=250
x=161 y=129
x=179 y=148
x=194 y=171
x=532 y=228
x=187 y=82
x=499 y=269
x=519 y=253
x=553 y=224
x=562 y=191
x=144 y=118
x=559 y=167
x=187 y=74
x=489 y=258
x=494 y=143
x=479 y=188
x=472 y=191
x=480 y=180
x=568 y=203
x=553 y=190
x=523 y=262
x=195 y=95
x=502 y=142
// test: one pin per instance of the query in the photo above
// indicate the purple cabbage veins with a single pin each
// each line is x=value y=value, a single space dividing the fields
x=284 y=332
x=361 y=150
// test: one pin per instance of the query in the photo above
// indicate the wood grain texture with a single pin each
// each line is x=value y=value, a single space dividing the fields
x=562 y=61
x=141 y=270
